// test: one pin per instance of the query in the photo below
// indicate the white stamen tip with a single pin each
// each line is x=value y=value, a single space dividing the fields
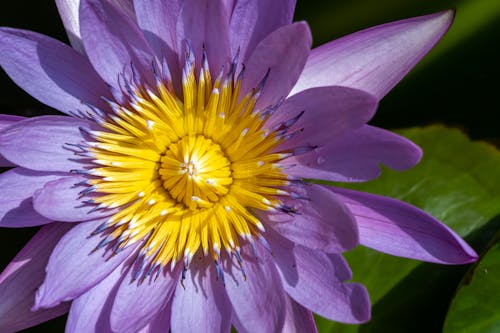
x=260 y=227
x=121 y=222
x=163 y=212
x=141 y=194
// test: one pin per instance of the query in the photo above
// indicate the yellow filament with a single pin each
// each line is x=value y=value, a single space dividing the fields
x=185 y=174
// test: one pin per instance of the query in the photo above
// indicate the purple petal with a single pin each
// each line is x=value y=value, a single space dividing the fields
x=137 y=304
x=7 y=120
x=18 y=186
x=75 y=265
x=158 y=21
x=397 y=228
x=113 y=42
x=38 y=143
x=90 y=312
x=259 y=300
x=315 y=280
x=23 y=275
x=375 y=59
x=4 y=163
x=322 y=221
x=68 y=10
x=253 y=20
x=50 y=71
x=202 y=305
x=229 y=6
x=357 y=155
x=328 y=113
x=161 y=323
x=205 y=22
x=283 y=53
x=298 y=319
x=60 y=200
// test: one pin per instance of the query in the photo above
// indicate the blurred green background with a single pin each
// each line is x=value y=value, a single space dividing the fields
x=457 y=84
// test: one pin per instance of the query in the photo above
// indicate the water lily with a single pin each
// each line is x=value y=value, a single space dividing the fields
x=173 y=192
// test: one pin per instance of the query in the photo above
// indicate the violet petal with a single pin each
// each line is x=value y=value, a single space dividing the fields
x=40 y=143
x=90 y=312
x=69 y=13
x=375 y=59
x=113 y=42
x=328 y=113
x=322 y=221
x=202 y=305
x=398 y=228
x=137 y=304
x=205 y=23
x=50 y=71
x=298 y=319
x=158 y=22
x=251 y=298
x=161 y=323
x=75 y=265
x=253 y=20
x=316 y=281
x=21 y=278
x=60 y=200
x=356 y=156
x=7 y=120
x=283 y=53
x=18 y=186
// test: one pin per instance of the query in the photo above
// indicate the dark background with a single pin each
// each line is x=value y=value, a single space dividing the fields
x=456 y=85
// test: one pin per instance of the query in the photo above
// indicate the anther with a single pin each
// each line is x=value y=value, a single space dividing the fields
x=262 y=83
x=266 y=245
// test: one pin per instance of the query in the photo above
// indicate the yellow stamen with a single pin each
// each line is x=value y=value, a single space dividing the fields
x=186 y=173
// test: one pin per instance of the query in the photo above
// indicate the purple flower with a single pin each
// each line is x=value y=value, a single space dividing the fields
x=172 y=193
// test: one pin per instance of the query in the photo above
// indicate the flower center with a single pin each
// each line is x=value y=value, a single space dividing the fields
x=195 y=171
x=182 y=175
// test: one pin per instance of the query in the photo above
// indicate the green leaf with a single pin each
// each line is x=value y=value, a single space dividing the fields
x=457 y=181
x=477 y=303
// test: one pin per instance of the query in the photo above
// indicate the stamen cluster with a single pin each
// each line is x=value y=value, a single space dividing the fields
x=180 y=174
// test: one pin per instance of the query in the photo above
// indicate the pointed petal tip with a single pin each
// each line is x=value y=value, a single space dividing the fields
x=398 y=228
x=444 y=19
x=468 y=254
x=377 y=58
x=41 y=300
x=447 y=15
